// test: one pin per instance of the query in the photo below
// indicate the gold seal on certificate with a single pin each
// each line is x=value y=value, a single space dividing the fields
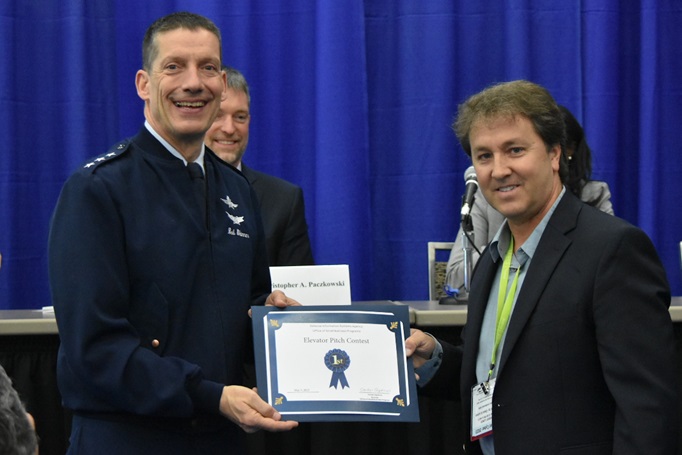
x=335 y=363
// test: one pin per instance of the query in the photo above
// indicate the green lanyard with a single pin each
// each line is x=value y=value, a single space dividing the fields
x=504 y=303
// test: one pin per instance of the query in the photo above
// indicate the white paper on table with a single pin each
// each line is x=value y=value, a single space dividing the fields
x=314 y=284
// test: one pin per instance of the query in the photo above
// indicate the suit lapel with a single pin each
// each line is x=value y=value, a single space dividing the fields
x=549 y=252
x=481 y=279
x=249 y=174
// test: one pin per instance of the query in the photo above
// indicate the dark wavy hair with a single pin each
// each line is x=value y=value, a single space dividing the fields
x=509 y=99
x=580 y=163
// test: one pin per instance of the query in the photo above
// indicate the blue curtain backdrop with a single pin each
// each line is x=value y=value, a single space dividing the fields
x=352 y=100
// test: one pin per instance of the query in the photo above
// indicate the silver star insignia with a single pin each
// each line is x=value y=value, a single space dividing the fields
x=229 y=202
x=236 y=219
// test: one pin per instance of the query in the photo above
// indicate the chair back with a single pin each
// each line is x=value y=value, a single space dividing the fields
x=438 y=254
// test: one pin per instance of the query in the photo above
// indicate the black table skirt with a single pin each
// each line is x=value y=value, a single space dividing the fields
x=30 y=360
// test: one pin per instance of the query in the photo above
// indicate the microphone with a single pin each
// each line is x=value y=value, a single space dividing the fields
x=471 y=187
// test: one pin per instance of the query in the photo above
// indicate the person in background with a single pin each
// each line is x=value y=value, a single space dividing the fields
x=568 y=343
x=15 y=437
x=156 y=253
x=283 y=212
x=281 y=202
x=17 y=429
x=486 y=220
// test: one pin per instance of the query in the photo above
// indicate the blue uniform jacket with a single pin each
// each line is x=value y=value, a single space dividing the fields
x=151 y=300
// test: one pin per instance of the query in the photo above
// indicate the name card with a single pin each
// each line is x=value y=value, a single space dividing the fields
x=313 y=284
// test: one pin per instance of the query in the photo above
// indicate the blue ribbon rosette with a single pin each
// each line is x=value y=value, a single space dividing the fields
x=338 y=361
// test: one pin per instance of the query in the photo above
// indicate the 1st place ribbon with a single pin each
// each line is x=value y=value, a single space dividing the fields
x=338 y=361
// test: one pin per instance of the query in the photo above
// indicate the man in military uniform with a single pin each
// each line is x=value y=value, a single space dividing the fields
x=156 y=253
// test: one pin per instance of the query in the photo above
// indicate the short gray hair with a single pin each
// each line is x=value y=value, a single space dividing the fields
x=237 y=81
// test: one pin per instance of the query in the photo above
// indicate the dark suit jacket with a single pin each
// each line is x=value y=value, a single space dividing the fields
x=588 y=362
x=283 y=213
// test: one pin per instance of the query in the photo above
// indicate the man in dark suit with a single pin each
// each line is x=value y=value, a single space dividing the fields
x=569 y=345
x=281 y=202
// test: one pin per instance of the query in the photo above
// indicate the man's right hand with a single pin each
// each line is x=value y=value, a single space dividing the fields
x=419 y=346
x=245 y=407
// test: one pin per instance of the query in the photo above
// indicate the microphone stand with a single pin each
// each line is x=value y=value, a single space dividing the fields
x=467 y=238
x=461 y=296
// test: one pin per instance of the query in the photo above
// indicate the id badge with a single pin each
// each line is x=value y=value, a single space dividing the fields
x=482 y=409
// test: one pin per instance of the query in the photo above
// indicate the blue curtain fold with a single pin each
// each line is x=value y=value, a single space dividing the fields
x=353 y=101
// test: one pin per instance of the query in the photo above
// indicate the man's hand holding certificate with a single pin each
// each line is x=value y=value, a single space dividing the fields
x=322 y=363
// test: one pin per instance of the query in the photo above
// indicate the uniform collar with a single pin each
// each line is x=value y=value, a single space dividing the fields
x=172 y=150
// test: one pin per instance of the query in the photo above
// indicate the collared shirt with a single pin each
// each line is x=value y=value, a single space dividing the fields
x=173 y=151
x=429 y=368
x=521 y=259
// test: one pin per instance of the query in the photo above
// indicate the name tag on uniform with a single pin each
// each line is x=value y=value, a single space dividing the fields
x=482 y=409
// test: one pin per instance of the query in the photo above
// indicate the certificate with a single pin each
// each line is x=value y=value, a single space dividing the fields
x=341 y=363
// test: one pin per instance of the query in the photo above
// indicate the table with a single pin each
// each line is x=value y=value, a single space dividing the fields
x=429 y=313
x=29 y=342
x=27 y=322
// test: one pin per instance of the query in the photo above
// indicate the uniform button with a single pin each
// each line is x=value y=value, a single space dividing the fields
x=155 y=343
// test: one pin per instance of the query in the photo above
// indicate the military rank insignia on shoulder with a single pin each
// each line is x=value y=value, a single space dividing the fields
x=115 y=151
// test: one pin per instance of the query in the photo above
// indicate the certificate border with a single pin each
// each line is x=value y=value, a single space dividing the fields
x=404 y=407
